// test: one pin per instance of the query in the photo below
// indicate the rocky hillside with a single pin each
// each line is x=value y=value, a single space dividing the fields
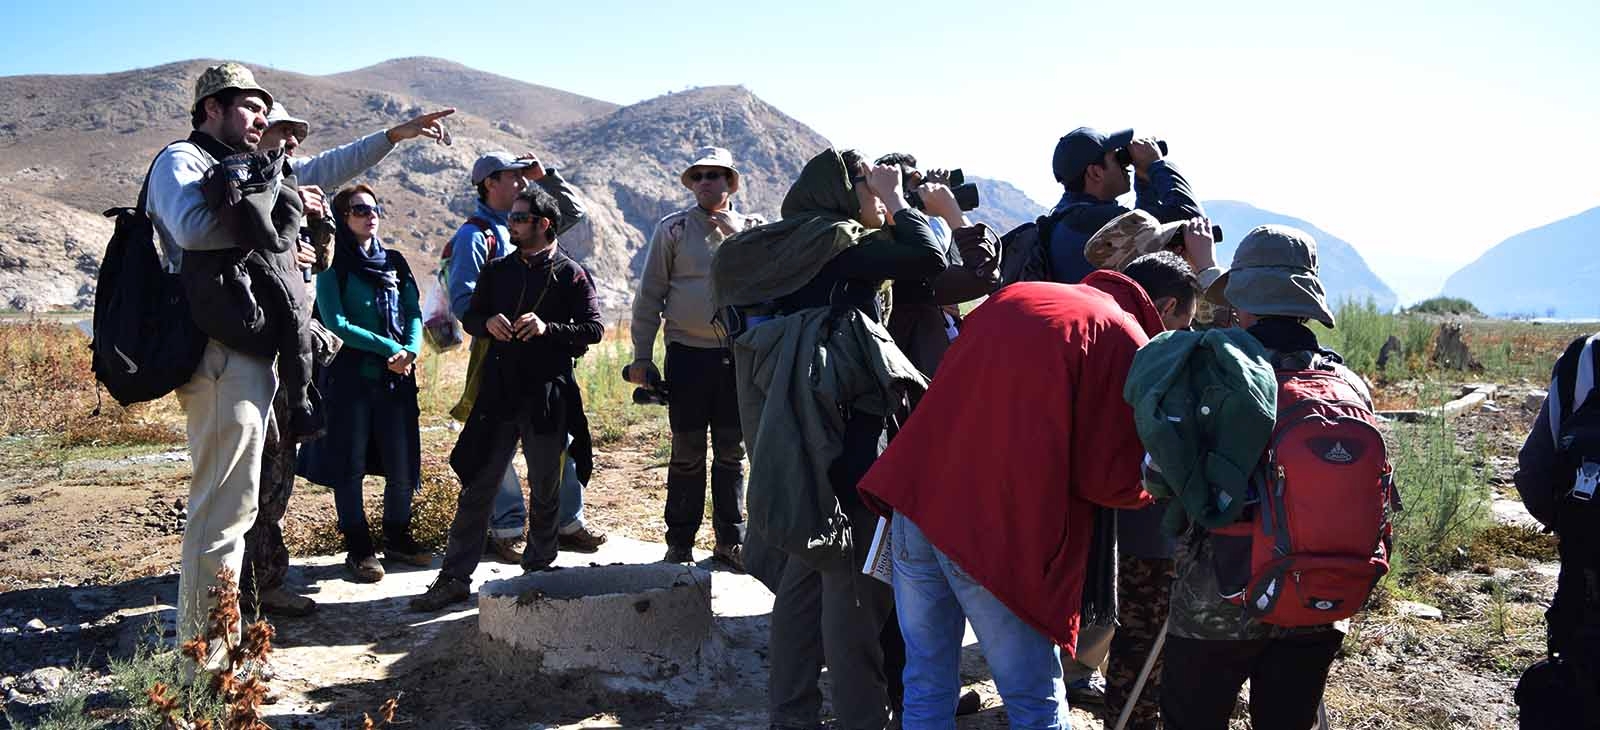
x=1004 y=207
x=48 y=252
x=85 y=141
x=517 y=106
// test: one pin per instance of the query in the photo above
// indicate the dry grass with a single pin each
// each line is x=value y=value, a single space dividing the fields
x=47 y=388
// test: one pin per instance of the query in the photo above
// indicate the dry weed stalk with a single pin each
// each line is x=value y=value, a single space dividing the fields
x=241 y=689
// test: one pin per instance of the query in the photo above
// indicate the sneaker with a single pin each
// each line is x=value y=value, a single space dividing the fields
x=1090 y=690
x=508 y=549
x=679 y=554
x=365 y=569
x=406 y=550
x=279 y=602
x=581 y=540
x=731 y=555
x=444 y=591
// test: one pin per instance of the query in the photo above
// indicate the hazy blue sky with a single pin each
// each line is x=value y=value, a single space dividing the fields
x=1423 y=133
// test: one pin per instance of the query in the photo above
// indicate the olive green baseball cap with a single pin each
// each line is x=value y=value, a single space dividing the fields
x=225 y=76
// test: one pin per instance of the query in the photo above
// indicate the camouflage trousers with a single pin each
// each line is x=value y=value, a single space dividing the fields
x=266 y=558
x=1144 y=590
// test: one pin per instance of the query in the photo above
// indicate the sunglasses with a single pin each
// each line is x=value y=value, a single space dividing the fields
x=707 y=175
x=362 y=210
x=519 y=217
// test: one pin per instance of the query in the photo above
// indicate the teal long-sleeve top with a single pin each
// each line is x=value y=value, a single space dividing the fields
x=353 y=315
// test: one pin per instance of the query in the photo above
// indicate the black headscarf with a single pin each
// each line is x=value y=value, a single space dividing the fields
x=372 y=264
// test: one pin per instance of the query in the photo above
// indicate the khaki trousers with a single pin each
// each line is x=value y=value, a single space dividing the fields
x=227 y=404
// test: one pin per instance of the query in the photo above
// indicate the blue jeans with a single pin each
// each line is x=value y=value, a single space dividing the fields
x=932 y=596
x=511 y=506
x=368 y=411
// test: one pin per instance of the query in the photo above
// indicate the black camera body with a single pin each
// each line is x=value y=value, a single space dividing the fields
x=652 y=393
x=966 y=193
x=1125 y=158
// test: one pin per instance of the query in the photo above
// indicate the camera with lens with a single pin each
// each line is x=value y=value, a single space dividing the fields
x=966 y=193
x=1124 y=157
x=652 y=393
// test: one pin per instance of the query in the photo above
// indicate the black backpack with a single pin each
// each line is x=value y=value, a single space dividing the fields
x=1563 y=691
x=1025 y=252
x=145 y=342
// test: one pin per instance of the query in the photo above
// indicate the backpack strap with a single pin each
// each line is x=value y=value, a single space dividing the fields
x=1572 y=381
x=489 y=235
x=144 y=187
x=1047 y=229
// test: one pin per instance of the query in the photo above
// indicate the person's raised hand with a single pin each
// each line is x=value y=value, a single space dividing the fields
x=427 y=125
x=1144 y=151
x=315 y=203
x=1198 y=247
x=884 y=181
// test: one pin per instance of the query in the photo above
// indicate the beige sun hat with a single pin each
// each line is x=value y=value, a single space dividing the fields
x=1127 y=237
x=224 y=76
x=280 y=115
x=713 y=157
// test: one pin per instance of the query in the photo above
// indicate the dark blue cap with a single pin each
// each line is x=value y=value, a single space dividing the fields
x=1083 y=146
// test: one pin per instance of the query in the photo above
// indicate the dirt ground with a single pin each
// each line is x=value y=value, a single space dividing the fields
x=89 y=541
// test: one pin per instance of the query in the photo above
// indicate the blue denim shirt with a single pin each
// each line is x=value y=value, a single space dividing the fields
x=469 y=252
x=1166 y=195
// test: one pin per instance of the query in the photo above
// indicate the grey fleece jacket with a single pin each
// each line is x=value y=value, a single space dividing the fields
x=178 y=209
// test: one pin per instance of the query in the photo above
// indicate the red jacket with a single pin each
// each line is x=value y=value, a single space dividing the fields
x=1022 y=433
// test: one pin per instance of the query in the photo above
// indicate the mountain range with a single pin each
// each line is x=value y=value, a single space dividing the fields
x=1550 y=271
x=71 y=146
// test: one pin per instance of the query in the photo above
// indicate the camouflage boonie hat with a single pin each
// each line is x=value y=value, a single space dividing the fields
x=1127 y=237
x=225 y=76
x=1274 y=273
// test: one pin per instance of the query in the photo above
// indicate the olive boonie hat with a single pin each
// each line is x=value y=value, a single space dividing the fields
x=1274 y=273
x=225 y=76
x=1127 y=237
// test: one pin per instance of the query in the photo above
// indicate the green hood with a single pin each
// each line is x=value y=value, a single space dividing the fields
x=770 y=261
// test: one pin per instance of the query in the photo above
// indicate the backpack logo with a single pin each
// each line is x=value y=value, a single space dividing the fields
x=1338 y=454
x=133 y=368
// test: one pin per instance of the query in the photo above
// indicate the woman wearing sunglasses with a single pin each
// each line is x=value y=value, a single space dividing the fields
x=369 y=298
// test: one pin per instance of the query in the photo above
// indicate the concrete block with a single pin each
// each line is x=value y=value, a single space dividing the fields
x=647 y=620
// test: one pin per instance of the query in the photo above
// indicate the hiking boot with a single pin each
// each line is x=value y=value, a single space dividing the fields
x=364 y=569
x=508 y=549
x=1090 y=690
x=581 y=540
x=730 y=554
x=679 y=554
x=444 y=591
x=406 y=550
x=279 y=602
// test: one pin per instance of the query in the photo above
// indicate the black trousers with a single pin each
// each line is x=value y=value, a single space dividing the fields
x=1200 y=680
x=480 y=459
x=704 y=395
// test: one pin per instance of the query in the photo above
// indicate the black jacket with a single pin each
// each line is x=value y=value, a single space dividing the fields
x=528 y=377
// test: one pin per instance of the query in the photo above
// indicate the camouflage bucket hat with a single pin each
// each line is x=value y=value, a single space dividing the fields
x=1127 y=237
x=224 y=76
x=1274 y=273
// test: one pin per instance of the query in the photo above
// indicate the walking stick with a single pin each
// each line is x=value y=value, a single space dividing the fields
x=1144 y=674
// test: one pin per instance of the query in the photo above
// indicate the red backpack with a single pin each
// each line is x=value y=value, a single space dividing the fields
x=1318 y=539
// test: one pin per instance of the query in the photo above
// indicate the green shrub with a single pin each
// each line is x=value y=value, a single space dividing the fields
x=1446 y=497
x=1454 y=306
